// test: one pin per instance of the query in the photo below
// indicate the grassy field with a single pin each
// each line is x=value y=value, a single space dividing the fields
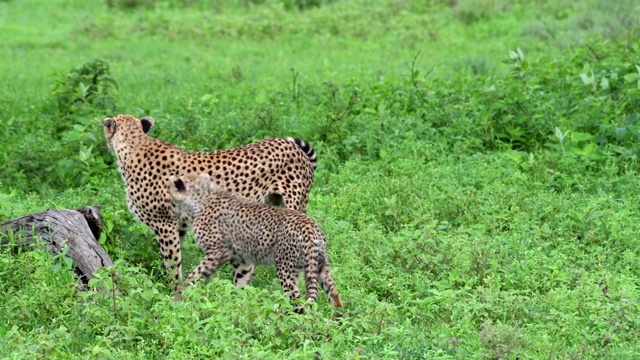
x=477 y=180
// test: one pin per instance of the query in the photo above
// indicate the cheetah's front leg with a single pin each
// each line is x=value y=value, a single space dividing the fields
x=242 y=273
x=214 y=259
x=169 y=240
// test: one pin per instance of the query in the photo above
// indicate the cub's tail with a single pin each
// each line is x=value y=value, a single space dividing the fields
x=308 y=149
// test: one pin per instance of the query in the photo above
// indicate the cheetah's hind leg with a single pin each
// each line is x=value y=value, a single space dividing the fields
x=288 y=276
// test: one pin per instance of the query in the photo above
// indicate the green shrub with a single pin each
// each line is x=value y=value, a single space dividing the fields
x=87 y=87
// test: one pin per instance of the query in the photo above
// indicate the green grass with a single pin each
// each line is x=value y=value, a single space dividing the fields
x=477 y=179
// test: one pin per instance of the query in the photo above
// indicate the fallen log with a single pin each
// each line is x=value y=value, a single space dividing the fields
x=54 y=229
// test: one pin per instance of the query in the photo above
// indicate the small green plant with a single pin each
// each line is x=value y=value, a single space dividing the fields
x=302 y=4
x=87 y=87
x=130 y=4
x=472 y=11
x=501 y=341
x=633 y=77
x=295 y=86
x=517 y=62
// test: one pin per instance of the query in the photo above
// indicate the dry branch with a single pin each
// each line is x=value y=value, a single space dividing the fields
x=55 y=229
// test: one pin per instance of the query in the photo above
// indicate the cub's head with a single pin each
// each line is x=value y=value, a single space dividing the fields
x=190 y=193
x=193 y=186
x=121 y=130
x=189 y=187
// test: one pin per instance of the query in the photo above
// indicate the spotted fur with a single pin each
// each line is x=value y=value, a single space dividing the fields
x=237 y=230
x=276 y=171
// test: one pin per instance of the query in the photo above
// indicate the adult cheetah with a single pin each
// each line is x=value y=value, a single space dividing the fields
x=276 y=171
x=237 y=230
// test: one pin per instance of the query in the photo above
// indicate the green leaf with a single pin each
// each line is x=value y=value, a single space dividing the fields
x=581 y=136
x=604 y=83
x=587 y=79
x=560 y=135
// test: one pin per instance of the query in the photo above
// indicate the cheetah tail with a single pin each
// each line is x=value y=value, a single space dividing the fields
x=329 y=286
x=308 y=149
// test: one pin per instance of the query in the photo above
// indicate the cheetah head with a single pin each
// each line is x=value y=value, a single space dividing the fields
x=195 y=189
x=120 y=130
x=189 y=193
x=190 y=186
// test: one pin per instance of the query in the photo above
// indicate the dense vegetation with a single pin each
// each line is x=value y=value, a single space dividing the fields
x=477 y=180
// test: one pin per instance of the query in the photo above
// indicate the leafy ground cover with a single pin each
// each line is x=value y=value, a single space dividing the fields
x=477 y=180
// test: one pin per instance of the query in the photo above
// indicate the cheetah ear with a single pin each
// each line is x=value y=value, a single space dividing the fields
x=203 y=181
x=109 y=125
x=179 y=185
x=147 y=123
x=204 y=177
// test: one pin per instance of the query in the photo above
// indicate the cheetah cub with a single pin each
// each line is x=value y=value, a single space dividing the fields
x=233 y=229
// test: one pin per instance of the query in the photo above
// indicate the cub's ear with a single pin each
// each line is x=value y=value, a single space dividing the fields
x=147 y=123
x=203 y=181
x=109 y=125
x=179 y=185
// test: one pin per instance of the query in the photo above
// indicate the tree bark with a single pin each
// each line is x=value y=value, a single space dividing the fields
x=55 y=229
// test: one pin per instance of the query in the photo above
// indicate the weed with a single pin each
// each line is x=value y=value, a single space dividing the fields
x=501 y=341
